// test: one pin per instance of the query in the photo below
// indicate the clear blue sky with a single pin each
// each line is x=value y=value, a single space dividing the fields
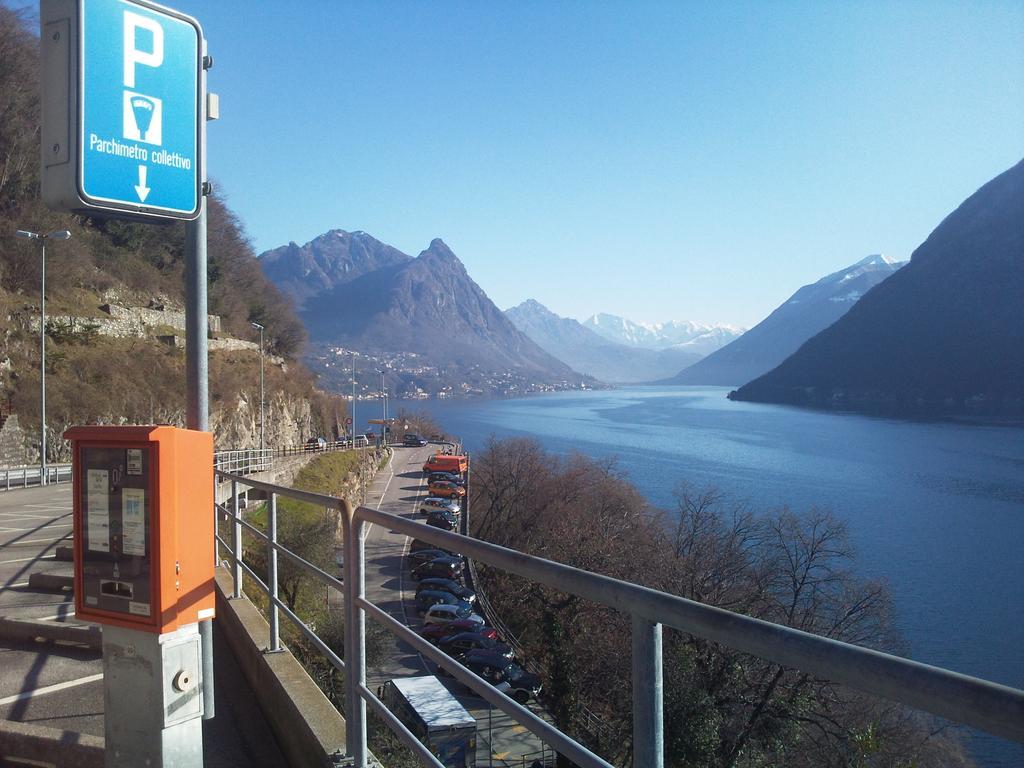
x=673 y=160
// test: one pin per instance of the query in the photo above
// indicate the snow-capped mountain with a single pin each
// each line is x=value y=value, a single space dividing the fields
x=588 y=352
x=807 y=312
x=699 y=338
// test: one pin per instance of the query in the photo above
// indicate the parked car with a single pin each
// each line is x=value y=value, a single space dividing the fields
x=418 y=546
x=447 y=585
x=413 y=441
x=429 y=597
x=446 y=521
x=441 y=567
x=431 y=503
x=508 y=677
x=462 y=642
x=316 y=443
x=434 y=632
x=426 y=555
x=446 y=489
x=444 y=614
x=448 y=477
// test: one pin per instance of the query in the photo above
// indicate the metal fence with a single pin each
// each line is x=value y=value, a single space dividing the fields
x=245 y=461
x=988 y=706
x=23 y=477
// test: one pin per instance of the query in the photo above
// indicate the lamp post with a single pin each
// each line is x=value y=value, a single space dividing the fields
x=352 y=410
x=383 y=413
x=57 y=234
x=259 y=327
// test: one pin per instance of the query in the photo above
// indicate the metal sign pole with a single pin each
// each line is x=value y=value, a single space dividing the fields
x=197 y=384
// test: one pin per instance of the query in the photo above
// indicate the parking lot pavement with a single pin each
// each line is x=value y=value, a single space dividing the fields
x=501 y=741
x=61 y=686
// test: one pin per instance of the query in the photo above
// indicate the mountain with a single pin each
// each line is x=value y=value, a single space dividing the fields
x=590 y=353
x=332 y=259
x=423 y=319
x=807 y=312
x=698 y=338
x=944 y=335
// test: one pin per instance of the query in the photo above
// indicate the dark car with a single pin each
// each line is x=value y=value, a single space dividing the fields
x=446 y=477
x=446 y=521
x=434 y=632
x=464 y=642
x=425 y=556
x=447 y=585
x=441 y=567
x=429 y=597
x=413 y=441
x=418 y=546
x=508 y=677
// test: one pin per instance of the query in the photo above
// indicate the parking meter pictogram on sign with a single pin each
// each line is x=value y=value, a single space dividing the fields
x=133 y=106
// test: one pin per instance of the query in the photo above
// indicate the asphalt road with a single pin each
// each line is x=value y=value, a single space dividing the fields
x=61 y=686
x=501 y=741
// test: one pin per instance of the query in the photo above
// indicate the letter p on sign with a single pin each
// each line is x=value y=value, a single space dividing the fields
x=132 y=55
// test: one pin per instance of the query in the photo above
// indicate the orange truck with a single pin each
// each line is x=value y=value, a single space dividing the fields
x=440 y=462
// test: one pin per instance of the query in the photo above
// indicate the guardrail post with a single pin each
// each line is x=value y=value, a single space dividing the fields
x=275 y=627
x=236 y=542
x=648 y=733
x=355 y=638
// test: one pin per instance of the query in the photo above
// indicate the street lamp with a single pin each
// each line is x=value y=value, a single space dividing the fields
x=57 y=234
x=352 y=410
x=383 y=412
x=259 y=327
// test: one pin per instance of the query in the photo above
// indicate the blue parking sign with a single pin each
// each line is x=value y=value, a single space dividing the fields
x=139 y=142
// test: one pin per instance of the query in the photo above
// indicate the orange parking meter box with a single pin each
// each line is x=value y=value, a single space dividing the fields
x=143 y=526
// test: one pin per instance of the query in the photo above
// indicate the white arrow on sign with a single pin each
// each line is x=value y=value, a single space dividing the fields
x=141 y=189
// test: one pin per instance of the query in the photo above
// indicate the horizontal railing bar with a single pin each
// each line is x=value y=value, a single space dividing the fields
x=332 y=657
x=319 y=499
x=406 y=736
x=485 y=690
x=989 y=706
x=319 y=573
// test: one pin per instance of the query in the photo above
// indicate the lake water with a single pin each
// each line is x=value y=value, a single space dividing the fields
x=936 y=509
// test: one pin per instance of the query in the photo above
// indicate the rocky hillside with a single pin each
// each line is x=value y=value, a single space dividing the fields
x=114 y=298
x=944 y=335
x=808 y=311
x=590 y=353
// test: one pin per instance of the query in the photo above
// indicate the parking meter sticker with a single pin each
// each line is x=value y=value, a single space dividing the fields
x=97 y=510
x=133 y=521
x=139 y=609
x=134 y=461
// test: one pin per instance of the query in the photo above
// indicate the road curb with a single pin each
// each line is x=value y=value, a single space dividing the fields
x=50 y=745
x=51 y=581
x=36 y=630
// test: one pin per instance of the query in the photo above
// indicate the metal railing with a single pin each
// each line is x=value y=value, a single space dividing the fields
x=985 y=705
x=245 y=461
x=24 y=477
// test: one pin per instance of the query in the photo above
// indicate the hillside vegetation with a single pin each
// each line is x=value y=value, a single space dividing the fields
x=100 y=378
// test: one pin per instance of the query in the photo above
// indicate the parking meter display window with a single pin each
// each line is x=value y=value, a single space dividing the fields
x=116 y=502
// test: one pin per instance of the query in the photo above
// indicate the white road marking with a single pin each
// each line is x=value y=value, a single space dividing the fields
x=12 y=586
x=24 y=559
x=66 y=615
x=51 y=689
x=39 y=541
x=20 y=516
x=37 y=527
